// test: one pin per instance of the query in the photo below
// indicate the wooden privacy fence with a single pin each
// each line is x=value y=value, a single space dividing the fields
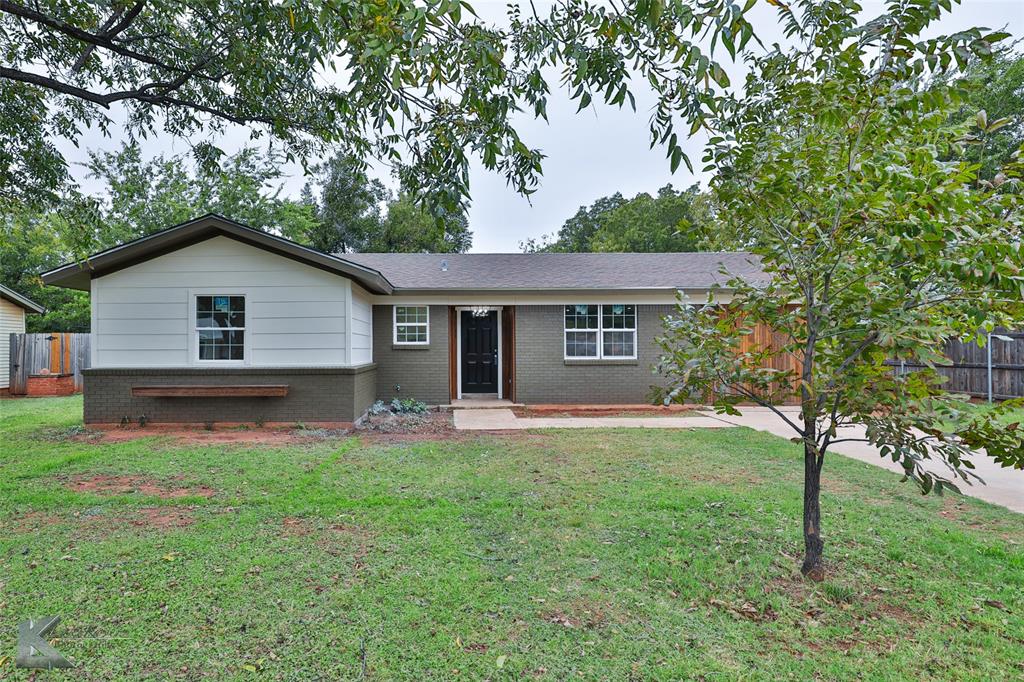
x=47 y=354
x=994 y=372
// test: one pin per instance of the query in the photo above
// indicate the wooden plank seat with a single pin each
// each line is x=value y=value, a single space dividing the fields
x=212 y=391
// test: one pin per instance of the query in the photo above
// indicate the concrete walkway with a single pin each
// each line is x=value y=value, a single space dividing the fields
x=1004 y=487
x=506 y=420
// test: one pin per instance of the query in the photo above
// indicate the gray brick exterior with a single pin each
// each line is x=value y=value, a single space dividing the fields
x=315 y=394
x=333 y=394
x=544 y=376
x=419 y=372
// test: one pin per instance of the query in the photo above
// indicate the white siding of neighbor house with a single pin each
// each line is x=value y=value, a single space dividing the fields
x=362 y=326
x=295 y=314
x=12 y=321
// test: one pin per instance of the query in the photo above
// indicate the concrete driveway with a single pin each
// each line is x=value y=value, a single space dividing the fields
x=1004 y=487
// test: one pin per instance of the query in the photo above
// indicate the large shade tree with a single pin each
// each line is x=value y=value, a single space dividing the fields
x=668 y=221
x=878 y=241
x=422 y=86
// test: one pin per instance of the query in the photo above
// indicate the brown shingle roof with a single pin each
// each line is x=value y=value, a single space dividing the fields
x=538 y=271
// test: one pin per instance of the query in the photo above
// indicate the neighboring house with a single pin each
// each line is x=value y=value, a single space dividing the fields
x=13 y=307
x=211 y=321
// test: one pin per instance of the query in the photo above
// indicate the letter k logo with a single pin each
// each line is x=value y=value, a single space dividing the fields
x=33 y=650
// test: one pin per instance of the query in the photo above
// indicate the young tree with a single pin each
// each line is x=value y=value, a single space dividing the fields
x=875 y=248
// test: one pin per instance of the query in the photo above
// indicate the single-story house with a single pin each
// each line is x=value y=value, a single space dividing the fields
x=13 y=307
x=212 y=321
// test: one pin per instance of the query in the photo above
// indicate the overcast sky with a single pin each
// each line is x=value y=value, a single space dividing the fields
x=592 y=154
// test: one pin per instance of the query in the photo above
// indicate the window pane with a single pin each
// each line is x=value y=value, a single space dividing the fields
x=581 y=344
x=221 y=303
x=410 y=314
x=618 y=316
x=581 y=317
x=619 y=344
x=411 y=333
x=204 y=304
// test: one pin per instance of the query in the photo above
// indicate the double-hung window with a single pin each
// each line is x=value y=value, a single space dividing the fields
x=220 y=328
x=412 y=324
x=594 y=332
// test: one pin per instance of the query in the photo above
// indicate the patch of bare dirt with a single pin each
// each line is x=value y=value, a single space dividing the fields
x=31 y=522
x=161 y=519
x=164 y=518
x=123 y=485
x=218 y=435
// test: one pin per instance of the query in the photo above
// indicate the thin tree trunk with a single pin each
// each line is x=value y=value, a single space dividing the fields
x=813 y=567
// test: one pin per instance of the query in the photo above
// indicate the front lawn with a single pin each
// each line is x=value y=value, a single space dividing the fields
x=618 y=554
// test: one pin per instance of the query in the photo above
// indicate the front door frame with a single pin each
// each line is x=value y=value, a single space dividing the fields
x=458 y=340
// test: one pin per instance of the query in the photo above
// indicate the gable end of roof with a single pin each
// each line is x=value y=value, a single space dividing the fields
x=78 y=275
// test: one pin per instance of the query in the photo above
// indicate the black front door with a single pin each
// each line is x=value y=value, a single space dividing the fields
x=480 y=352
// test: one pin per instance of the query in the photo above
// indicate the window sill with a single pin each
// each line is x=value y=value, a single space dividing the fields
x=410 y=346
x=570 y=362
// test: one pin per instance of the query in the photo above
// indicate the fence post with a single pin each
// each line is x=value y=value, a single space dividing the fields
x=988 y=347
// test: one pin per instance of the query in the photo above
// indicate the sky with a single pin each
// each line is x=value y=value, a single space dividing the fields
x=593 y=154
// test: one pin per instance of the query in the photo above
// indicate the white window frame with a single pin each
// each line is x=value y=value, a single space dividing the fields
x=394 y=326
x=193 y=321
x=600 y=330
x=595 y=330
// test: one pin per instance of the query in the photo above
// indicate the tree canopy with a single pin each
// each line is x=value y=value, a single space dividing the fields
x=671 y=221
x=421 y=86
x=996 y=87
x=139 y=196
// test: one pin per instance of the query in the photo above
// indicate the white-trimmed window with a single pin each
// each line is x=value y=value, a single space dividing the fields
x=220 y=328
x=595 y=332
x=412 y=324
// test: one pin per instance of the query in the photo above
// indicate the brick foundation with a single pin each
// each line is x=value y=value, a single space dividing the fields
x=50 y=385
x=315 y=394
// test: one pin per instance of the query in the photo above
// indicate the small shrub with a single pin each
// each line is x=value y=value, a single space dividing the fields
x=408 y=406
x=397 y=406
x=260 y=421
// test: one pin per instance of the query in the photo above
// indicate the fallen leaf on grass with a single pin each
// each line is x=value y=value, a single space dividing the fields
x=501 y=662
x=996 y=604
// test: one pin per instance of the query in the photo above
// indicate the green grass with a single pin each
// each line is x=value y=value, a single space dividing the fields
x=557 y=555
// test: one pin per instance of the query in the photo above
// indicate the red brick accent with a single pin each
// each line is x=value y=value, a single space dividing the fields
x=51 y=385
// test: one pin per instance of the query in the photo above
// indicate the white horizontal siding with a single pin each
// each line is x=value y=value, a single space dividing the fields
x=362 y=326
x=295 y=314
x=12 y=321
